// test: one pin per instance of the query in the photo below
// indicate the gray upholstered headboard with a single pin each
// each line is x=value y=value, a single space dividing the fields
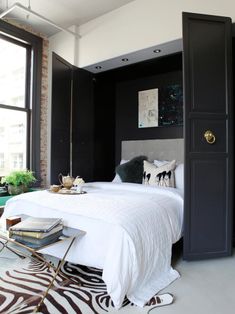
x=164 y=149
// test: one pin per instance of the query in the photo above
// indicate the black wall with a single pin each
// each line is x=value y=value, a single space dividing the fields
x=105 y=112
x=127 y=110
x=116 y=108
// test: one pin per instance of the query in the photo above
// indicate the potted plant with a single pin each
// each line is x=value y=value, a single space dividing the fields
x=18 y=181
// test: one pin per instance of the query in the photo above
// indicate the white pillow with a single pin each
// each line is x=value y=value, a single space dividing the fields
x=179 y=177
x=159 y=176
x=160 y=163
x=117 y=178
x=179 y=173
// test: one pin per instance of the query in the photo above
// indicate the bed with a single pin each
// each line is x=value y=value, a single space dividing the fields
x=130 y=229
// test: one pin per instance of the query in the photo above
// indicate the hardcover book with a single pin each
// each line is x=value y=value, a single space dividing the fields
x=36 y=224
x=36 y=234
x=37 y=243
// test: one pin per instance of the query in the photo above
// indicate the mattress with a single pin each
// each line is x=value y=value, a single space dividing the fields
x=130 y=229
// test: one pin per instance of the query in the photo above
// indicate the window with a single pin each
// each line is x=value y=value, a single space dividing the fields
x=17 y=161
x=20 y=89
x=18 y=131
x=2 y=161
x=2 y=133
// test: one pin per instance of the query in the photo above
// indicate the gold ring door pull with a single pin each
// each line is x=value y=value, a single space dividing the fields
x=209 y=137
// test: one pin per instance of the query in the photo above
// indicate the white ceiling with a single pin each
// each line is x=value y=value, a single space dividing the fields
x=68 y=12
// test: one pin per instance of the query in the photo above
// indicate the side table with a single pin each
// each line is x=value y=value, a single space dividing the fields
x=69 y=234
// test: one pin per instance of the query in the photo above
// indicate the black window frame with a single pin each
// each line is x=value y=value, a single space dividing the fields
x=34 y=46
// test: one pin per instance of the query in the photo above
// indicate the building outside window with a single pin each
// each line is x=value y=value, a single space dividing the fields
x=13 y=86
x=20 y=88
x=17 y=161
x=1 y=160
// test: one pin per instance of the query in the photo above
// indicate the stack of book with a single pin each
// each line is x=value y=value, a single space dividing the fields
x=37 y=232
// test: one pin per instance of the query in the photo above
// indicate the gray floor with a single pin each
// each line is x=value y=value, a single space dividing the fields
x=205 y=287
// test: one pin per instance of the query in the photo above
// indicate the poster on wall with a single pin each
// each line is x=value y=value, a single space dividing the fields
x=161 y=106
x=148 y=108
x=171 y=105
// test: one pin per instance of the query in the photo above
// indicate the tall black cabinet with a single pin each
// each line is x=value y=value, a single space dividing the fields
x=208 y=136
x=62 y=74
x=72 y=121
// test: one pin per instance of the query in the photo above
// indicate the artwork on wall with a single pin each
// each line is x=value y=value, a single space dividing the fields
x=148 y=108
x=161 y=106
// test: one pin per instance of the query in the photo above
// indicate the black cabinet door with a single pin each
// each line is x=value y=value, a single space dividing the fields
x=207 y=70
x=60 y=117
x=83 y=125
x=72 y=123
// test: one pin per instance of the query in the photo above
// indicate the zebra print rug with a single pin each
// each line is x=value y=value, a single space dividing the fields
x=22 y=286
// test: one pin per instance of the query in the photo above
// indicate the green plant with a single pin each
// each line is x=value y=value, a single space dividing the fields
x=19 y=177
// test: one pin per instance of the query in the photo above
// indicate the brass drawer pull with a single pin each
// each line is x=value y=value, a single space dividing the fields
x=209 y=137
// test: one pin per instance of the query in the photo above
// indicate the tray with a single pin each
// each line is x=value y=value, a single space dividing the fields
x=67 y=192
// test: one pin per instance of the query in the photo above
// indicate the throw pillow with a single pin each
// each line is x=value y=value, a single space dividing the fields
x=132 y=171
x=117 y=179
x=159 y=176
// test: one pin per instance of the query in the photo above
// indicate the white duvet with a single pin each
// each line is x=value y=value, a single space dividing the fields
x=138 y=225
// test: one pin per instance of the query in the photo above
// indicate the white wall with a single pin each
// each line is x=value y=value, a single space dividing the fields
x=141 y=24
x=65 y=45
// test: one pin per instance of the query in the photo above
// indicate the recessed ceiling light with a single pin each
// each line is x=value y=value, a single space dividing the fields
x=157 y=50
x=125 y=59
x=98 y=67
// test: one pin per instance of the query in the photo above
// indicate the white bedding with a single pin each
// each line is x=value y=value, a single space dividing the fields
x=130 y=230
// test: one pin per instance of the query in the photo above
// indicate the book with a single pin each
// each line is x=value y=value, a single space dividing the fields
x=36 y=234
x=35 y=224
x=37 y=243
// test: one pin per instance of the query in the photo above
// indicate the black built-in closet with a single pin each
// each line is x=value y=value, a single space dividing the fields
x=104 y=113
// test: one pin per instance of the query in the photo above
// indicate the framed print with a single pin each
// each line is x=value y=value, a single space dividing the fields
x=148 y=108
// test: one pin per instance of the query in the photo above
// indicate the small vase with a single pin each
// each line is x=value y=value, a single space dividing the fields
x=15 y=190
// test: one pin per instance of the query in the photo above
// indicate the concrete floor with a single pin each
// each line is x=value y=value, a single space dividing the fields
x=205 y=287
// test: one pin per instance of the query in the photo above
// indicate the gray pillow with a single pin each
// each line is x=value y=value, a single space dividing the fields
x=132 y=171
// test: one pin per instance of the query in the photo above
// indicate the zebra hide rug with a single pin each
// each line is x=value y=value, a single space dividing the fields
x=23 y=284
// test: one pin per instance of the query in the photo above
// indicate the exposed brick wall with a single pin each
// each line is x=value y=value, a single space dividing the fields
x=44 y=114
x=44 y=102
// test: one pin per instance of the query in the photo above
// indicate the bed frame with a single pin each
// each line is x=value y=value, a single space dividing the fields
x=163 y=149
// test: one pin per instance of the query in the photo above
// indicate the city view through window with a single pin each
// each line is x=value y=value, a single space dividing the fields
x=13 y=113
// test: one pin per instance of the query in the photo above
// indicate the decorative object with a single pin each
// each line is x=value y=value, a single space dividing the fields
x=18 y=181
x=66 y=181
x=55 y=188
x=33 y=275
x=132 y=171
x=161 y=106
x=78 y=183
x=171 y=105
x=65 y=191
x=148 y=108
x=163 y=176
